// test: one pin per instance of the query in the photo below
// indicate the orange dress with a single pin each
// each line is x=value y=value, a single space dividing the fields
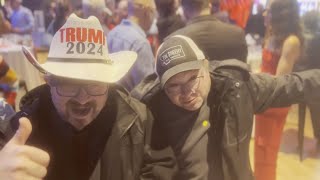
x=268 y=128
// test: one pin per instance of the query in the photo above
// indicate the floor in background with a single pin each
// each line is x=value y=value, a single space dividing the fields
x=289 y=165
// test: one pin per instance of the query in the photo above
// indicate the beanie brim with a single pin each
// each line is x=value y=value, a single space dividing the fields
x=191 y=65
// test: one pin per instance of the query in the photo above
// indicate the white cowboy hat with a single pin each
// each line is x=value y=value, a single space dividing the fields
x=79 y=51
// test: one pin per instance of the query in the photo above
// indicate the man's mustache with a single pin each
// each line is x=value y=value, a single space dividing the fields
x=74 y=103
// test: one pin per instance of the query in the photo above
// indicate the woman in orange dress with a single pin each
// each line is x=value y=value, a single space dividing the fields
x=282 y=48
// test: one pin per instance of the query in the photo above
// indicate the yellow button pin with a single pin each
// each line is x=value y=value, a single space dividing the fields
x=205 y=123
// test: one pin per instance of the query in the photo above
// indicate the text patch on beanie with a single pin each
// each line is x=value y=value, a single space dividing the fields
x=171 y=54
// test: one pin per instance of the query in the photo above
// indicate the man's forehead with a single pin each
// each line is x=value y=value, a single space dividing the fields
x=183 y=76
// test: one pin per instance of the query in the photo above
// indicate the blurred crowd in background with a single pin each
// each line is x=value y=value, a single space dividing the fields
x=31 y=16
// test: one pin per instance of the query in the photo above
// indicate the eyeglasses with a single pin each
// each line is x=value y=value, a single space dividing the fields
x=71 y=87
x=69 y=90
x=191 y=85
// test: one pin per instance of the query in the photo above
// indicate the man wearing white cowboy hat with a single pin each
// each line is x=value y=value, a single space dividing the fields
x=79 y=125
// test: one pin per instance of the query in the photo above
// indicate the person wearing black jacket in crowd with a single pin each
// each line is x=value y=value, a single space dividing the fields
x=204 y=109
x=217 y=40
x=168 y=20
x=61 y=14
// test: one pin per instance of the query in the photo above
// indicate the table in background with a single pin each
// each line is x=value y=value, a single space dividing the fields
x=14 y=57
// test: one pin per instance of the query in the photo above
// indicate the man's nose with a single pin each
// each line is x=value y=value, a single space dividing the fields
x=185 y=90
x=82 y=97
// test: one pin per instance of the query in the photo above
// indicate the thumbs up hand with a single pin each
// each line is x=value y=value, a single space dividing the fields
x=19 y=161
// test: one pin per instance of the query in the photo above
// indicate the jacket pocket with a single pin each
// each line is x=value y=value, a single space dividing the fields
x=236 y=112
x=234 y=132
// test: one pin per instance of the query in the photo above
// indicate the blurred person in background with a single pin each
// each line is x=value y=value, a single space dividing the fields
x=75 y=5
x=221 y=15
x=7 y=9
x=77 y=10
x=282 y=48
x=168 y=20
x=34 y=4
x=98 y=9
x=310 y=60
x=255 y=23
x=121 y=11
x=50 y=12
x=218 y=40
x=22 y=19
x=62 y=12
x=130 y=34
x=111 y=4
x=5 y=25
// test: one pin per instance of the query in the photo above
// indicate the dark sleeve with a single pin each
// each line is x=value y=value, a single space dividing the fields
x=269 y=91
x=233 y=43
x=242 y=52
x=313 y=53
x=159 y=164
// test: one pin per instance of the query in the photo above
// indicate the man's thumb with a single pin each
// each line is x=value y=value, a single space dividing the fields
x=23 y=132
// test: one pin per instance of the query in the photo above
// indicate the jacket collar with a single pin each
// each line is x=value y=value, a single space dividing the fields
x=128 y=22
x=202 y=18
x=148 y=87
x=126 y=114
x=229 y=64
